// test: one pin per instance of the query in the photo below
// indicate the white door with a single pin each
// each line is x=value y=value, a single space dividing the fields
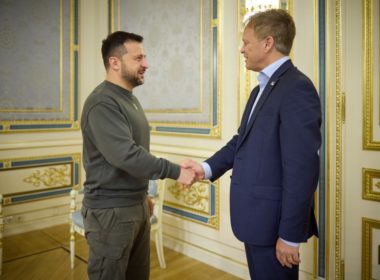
x=360 y=241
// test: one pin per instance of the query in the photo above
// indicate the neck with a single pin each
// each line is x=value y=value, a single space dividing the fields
x=118 y=81
x=274 y=57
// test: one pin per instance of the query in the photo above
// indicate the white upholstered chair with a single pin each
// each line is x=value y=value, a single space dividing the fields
x=156 y=192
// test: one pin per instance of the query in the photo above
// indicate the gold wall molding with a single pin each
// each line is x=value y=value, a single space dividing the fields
x=369 y=142
x=339 y=264
x=199 y=203
x=368 y=226
x=371 y=184
x=196 y=197
x=52 y=176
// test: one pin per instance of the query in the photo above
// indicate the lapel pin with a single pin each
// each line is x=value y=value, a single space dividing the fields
x=272 y=83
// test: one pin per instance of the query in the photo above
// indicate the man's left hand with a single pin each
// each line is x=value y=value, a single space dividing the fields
x=287 y=255
x=150 y=206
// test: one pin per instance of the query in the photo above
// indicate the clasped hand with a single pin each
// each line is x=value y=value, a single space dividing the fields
x=191 y=172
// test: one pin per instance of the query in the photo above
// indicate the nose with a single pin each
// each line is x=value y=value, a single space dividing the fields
x=242 y=49
x=145 y=63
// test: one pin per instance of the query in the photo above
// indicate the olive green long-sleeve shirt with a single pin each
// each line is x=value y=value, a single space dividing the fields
x=116 y=154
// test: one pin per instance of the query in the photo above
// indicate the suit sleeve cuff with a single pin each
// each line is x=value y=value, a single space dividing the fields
x=293 y=244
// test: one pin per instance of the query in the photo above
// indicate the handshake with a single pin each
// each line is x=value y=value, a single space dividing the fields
x=191 y=172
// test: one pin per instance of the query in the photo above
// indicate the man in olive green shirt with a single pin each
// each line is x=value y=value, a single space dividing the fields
x=119 y=165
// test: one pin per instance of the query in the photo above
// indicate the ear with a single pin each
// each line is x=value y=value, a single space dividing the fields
x=114 y=63
x=269 y=43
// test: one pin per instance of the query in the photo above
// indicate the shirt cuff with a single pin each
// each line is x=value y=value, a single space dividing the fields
x=207 y=169
x=293 y=244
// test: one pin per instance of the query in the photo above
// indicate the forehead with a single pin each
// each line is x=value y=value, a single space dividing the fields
x=134 y=48
x=248 y=33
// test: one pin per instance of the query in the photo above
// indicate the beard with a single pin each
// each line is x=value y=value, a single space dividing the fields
x=131 y=78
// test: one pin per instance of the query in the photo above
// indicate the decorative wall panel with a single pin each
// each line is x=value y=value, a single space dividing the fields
x=39 y=65
x=371 y=102
x=29 y=179
x=371 y=184
x=198 y=203
x=370 y=241
x=181 y=94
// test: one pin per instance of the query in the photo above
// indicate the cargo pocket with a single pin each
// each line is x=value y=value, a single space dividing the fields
x=105 y=248
x=110 y=243
x=110 y=251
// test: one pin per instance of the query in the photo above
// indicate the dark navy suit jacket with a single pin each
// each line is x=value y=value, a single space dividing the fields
x=275 y=162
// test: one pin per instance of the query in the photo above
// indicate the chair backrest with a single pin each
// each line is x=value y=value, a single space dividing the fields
x=156 y=192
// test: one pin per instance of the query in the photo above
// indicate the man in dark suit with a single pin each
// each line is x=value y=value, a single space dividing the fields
x=274 y=156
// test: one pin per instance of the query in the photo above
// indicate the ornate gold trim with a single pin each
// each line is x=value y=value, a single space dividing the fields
x=368 y=186
x=39 y=162
x=213 y=220
x=329 y=103
x=195 y=197
x=369 y=143
x=338 y=131
x=367 y=226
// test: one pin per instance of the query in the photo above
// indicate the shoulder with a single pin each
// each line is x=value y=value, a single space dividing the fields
x=295 y=79
x=100 y=98
x=102 y=94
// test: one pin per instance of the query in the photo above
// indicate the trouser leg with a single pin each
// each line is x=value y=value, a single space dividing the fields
x=112 y=235
x=139 y=261
x=263 y=264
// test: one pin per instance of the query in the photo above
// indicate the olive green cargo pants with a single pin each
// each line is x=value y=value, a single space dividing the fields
x=118 y=239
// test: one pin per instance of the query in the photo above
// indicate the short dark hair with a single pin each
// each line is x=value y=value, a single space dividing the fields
x=113 y=45
x=276 y=23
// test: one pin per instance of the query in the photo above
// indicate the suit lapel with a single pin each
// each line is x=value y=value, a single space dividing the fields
x=264 y=96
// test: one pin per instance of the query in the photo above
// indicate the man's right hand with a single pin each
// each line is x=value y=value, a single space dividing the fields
x=197 y=167
x=187 y=177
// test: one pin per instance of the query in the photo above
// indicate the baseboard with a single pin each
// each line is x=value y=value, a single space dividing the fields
x=35 y=225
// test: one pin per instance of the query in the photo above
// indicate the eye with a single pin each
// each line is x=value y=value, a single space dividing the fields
x=140 y=57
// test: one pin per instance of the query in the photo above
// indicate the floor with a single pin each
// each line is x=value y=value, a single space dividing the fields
x=44 y=254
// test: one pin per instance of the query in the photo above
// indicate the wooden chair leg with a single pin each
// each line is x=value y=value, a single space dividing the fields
x=72 y=248
x=160 y=248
